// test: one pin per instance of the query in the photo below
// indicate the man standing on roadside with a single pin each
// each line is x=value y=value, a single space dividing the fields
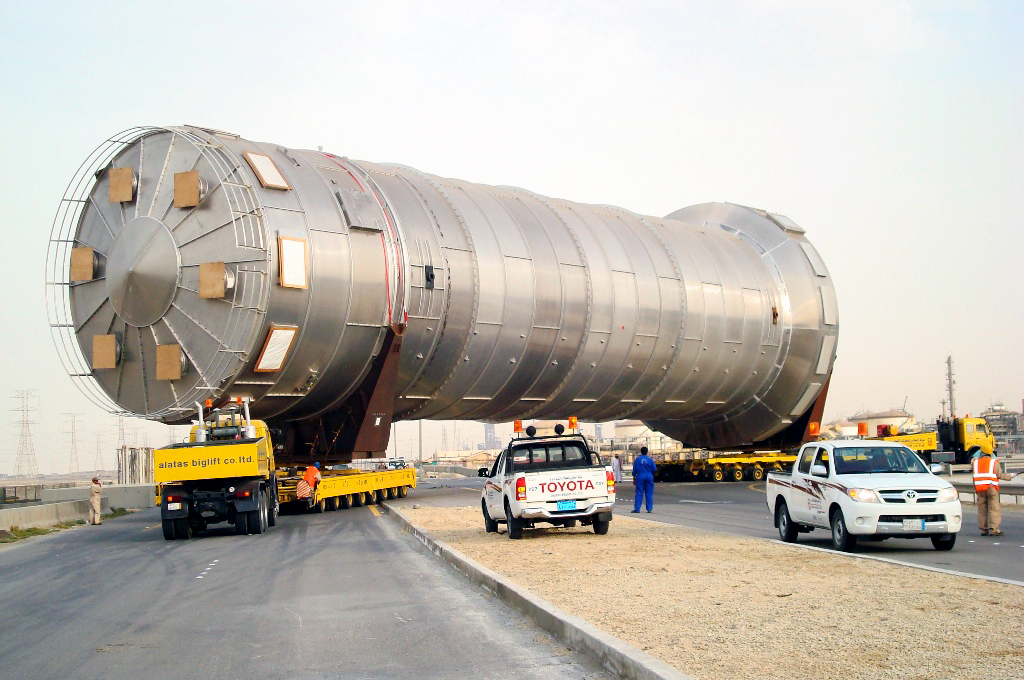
x=643 y=479
x=987 y=474
x=617 y=468
x=95 y=495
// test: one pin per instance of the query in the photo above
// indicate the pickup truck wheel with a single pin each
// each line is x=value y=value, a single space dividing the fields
x=944 y=541
x=490 y=526
x=601 y=528
x=737 y=474
x=787 y=530
x=842 y=539
x=168 y=526
x=515 y=526
x=717 y=475
x=757 y=474
x=241 y=523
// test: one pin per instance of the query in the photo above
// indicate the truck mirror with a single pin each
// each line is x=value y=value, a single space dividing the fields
x=819 y=471
x=936 y=468
x=483 y=472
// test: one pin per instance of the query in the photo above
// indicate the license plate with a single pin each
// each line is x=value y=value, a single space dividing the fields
x=566 y=505
x=174 y=506
x=913 y=525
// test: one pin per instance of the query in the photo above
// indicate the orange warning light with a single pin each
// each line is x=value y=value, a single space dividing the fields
x=209 y=403
x=815 y=429
x=574 y=423
x=517 y=426
x=862 y=429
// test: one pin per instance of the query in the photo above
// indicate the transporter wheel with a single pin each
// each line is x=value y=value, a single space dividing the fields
x=241 y=523
x=842 y=539
x=601 y=527
x=757 y=474
x=944 y=541
x=392 y=493
x=378 y=496
x=403 y=491
x=272 y=509
x=168 y=526
x=515 y=526
x=787 y=530
x=737 y=474
x=318 y=507
x=490 y=525
x=717 y=475
x=357 y=499
x=345 y=502
x=182 y=529
x=331 y=504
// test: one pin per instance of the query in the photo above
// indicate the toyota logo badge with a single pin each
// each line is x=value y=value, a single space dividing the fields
x=911 y=494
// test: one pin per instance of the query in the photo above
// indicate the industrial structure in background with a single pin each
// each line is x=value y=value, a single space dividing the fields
x=1007 y=427
x=25 y=464
x=336 y=296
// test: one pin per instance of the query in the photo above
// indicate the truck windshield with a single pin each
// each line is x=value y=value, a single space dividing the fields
x=549 y=455
x=876 y=459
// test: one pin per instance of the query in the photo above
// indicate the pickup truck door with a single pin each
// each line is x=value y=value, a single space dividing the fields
x=492 y=489
x=800 y=492
x=818 y=503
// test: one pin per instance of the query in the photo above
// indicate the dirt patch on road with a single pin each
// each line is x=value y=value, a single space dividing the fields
x=721 y=607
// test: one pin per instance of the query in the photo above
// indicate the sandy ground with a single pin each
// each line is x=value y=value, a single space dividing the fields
x=719 y=607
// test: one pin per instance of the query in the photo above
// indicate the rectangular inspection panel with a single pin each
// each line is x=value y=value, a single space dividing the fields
x=186 y=189
x=266 y=171
x=275 y=350
x=168 y=362
x=122 y=185
x=212 y=280
x=104 y=352
x=291 y=255
x=82 y=264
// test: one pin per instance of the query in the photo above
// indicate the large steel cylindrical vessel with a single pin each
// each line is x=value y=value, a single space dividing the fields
x=188 y=264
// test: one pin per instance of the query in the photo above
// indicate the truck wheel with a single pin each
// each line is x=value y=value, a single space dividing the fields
x=601 y=527
x=391 y=493
x=787 y=530
x=842 y=539
x=168 y=525
x=318 y=507
x=345 y=501
x=182 y=529
x=515 y=526
x=717 y=474
x=378 y=496
x=944 y=541
x=737 y=474
x=757 y=474
x=358 y=499
x=272 y=509
x=490 y=526
x=403 y=491
x=241 y=523
x=258 y=517
x=331 y=503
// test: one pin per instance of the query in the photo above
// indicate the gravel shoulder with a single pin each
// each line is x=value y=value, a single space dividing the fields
x=723 y=607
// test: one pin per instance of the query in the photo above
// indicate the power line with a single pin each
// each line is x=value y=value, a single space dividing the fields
x=25 y=463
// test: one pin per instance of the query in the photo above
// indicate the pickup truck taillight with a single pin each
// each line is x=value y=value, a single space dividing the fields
x=521 y=489
x=611 y=481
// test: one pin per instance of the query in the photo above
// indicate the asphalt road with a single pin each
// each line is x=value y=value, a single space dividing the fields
x=338 y=595
x=740 y=509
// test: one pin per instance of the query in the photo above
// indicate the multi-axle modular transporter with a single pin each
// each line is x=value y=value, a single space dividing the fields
x=335 y=296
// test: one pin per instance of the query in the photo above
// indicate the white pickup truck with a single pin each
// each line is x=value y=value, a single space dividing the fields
x=555 y=480
x=858 y=488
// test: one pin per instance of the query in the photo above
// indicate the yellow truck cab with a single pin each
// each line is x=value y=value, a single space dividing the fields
x=952 y=441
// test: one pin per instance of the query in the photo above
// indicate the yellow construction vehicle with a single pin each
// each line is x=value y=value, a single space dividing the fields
x=733 y=466
x=951 y=442
x=226 y=472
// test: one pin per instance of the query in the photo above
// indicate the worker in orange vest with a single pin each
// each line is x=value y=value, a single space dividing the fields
x=987 y=474
x=307 y=485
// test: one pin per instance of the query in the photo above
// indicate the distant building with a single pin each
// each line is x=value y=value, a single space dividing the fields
x=904 y=421
x=1007 y=427
x=491 y=440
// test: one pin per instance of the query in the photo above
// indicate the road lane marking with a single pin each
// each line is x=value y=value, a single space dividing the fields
x=688 y=500
x=374 y=510
x=152 y=527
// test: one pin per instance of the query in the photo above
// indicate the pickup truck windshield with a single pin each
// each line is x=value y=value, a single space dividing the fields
x=876 y=459
x=549 y=456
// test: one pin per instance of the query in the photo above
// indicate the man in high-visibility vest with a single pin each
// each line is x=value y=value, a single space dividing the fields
x=986 y=490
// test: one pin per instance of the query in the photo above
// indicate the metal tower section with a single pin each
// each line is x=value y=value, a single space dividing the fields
x=950 y=383
x=73 y=466
x=25 y=463
x=98 y=461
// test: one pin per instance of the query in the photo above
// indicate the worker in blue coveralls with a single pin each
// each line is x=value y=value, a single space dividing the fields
x=643 y=479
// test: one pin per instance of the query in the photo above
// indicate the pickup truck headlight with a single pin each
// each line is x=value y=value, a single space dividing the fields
x=947 y=495
x=864 y=495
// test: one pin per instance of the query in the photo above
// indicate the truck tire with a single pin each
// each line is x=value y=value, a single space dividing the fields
x=272 y=509
x=737 y=474
x=570 y=523
x=318 y=507
x=378 y=496
x=182 y=529
x=717 y=474
x=331 y=504
x=787 y=530
x=601 y=527
x=345 y=501
x=944 y=541
x=757 y=474
x=357 y=499
x=258 y=517
x=515 y=525
x=241 y=523
x=391 y=493
x=842 y=539
x=490 y=526
x=403 y=491
x=168 y=526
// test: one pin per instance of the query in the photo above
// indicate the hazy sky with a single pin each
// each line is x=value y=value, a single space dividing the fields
x=892 y=131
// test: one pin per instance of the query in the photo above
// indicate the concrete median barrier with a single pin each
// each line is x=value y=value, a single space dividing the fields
x=47 y=514
x=127 y=496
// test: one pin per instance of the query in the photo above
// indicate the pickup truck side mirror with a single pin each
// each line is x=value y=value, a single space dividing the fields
x=819 y=471
x=936 y=468
x=483 y=472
